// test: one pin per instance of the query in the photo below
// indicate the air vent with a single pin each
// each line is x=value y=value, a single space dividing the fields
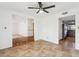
x=64 y=13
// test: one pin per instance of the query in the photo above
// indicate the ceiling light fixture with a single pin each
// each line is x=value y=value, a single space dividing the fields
x=41 y=11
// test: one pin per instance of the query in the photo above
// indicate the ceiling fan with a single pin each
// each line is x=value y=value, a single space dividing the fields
x=41 y=8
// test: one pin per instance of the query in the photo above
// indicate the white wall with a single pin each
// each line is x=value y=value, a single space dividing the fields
x=77 y=29
x=6 y=20
x=30 y=27
x=45 y=28
x=60 y=29
x=37 y=28
x=22 y=25
x=48 y=28
x=5 y=34
x=15 y=28
x=23 y=29
x=74 y=11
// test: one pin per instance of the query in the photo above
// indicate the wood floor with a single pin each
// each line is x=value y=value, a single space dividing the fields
x=22 y=40
x=68 y=43
x=38 y=48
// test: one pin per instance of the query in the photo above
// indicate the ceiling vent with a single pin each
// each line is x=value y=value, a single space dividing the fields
x=64 y=13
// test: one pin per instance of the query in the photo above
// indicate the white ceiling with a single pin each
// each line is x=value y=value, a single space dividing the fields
x=22 y=7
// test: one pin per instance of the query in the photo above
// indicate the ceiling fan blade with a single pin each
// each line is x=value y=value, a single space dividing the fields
x=49 y=7
x=45 y=11
x=33 y=8
x=40 y=4
x=37 y=11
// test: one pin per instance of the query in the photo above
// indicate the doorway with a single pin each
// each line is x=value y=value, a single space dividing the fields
x=67 y=32
x=23 y=30
x=31 y=28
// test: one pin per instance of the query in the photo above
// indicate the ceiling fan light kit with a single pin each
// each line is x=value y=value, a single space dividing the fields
x=41 y=9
